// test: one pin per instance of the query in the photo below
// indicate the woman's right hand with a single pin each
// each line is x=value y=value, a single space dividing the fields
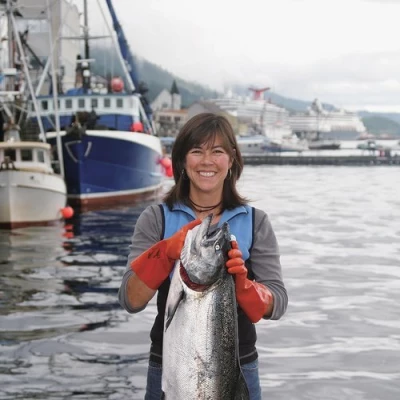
x=175 y=243
x=154 y=265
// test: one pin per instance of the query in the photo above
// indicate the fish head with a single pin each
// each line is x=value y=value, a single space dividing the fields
x=205 y=252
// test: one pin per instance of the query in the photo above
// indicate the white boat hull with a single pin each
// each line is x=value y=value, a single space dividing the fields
x=30 y=198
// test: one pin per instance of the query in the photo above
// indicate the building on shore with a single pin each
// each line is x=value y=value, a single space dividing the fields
x=169 y=116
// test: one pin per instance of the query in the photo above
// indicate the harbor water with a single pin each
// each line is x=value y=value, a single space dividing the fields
x=63 y=334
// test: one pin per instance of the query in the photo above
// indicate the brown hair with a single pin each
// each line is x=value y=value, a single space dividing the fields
x=200 y=129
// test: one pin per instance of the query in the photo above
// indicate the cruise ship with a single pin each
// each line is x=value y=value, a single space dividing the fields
x=318 y=122
x=261 y=117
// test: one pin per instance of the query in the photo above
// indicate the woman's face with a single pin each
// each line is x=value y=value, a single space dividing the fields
x=207 y=167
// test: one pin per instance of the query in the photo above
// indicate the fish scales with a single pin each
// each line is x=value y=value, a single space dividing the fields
x=200 y=345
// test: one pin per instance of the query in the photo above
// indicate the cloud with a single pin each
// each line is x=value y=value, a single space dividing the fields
x=350 y=80
x=343 y=51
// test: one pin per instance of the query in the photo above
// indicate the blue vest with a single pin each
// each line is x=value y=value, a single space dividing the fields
x=240 y=221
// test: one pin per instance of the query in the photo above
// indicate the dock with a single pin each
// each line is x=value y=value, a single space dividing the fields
x=338 y=160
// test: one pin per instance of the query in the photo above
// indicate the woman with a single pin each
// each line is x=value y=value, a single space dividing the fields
x=206 y=163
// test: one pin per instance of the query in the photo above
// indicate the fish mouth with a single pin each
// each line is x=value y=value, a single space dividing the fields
x=210 y=237
x=204 y=227
x=205 y=254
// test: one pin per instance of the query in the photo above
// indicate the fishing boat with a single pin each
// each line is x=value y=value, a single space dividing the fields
x=256 y=145
x=318 y=143
x=31 y=193
x=110 y=153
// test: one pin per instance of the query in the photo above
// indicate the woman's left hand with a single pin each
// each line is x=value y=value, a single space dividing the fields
x=253 y=298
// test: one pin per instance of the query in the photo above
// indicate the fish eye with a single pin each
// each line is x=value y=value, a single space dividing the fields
x=217 y=247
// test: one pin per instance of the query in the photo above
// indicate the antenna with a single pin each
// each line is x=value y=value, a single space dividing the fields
x=258 y=93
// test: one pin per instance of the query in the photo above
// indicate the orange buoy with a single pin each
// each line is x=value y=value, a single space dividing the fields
x=169 y=172
x=67 y=212
x=117 y=84
x=166 y=162
x=137 y=127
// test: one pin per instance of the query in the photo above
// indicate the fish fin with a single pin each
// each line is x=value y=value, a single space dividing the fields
x=162 y=396
x=242 y=392
x=172 y=306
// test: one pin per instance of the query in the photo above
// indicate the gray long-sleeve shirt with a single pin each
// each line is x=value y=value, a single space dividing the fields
x=265 y=257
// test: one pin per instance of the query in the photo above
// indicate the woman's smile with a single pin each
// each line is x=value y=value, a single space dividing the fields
x=207 y=174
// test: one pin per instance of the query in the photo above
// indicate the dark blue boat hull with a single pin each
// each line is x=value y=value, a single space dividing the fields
x=103 y=169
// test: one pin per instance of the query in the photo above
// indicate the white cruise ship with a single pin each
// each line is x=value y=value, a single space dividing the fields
x=319 y=122
x=261 y=118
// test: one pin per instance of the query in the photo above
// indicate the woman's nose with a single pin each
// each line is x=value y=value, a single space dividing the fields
x=207 y=158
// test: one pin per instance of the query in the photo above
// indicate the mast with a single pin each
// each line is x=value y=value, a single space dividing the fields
x=124 y=46
x=86 y=29
x=12 y=22
x=54 y=84
x=10 y=35
x=129 y=61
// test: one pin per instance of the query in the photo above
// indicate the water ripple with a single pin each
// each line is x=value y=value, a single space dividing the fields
x=63 y=334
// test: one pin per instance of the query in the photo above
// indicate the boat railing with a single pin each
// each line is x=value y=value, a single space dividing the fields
x=122 y=104
x=7 y=164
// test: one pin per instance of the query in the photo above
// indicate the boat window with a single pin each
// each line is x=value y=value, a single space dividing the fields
x=10 y=153
x=68 y=103
x=95 y=103
x=120 y=103
x=26 y=155
x=40 y=155
x=107 y=103
x=81 y=103
x=45 y=105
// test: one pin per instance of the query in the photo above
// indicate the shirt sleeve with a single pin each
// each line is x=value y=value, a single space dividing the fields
x=265 y=262
x=147 y=232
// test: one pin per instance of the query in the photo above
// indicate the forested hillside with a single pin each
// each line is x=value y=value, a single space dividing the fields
x=155 y=77
x=381 y=125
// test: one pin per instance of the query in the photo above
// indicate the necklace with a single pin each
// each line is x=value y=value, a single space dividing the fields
x=201 y=209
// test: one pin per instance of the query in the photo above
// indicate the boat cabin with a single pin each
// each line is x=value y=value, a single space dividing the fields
x=33 y=156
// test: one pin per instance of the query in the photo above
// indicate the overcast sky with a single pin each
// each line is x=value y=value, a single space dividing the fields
x=345 y=52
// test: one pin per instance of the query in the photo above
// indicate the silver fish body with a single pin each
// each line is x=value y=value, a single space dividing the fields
x=200 y=345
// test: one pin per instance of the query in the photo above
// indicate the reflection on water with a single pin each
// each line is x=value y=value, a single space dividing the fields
x=63 y=333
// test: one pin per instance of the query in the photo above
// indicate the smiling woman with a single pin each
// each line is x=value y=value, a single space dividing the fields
x=207 y=164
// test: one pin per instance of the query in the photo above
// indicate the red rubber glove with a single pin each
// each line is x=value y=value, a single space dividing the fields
x=252 y=297
x=154 y=265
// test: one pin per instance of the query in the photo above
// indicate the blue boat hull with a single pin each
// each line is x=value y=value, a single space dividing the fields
x=104 y=169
